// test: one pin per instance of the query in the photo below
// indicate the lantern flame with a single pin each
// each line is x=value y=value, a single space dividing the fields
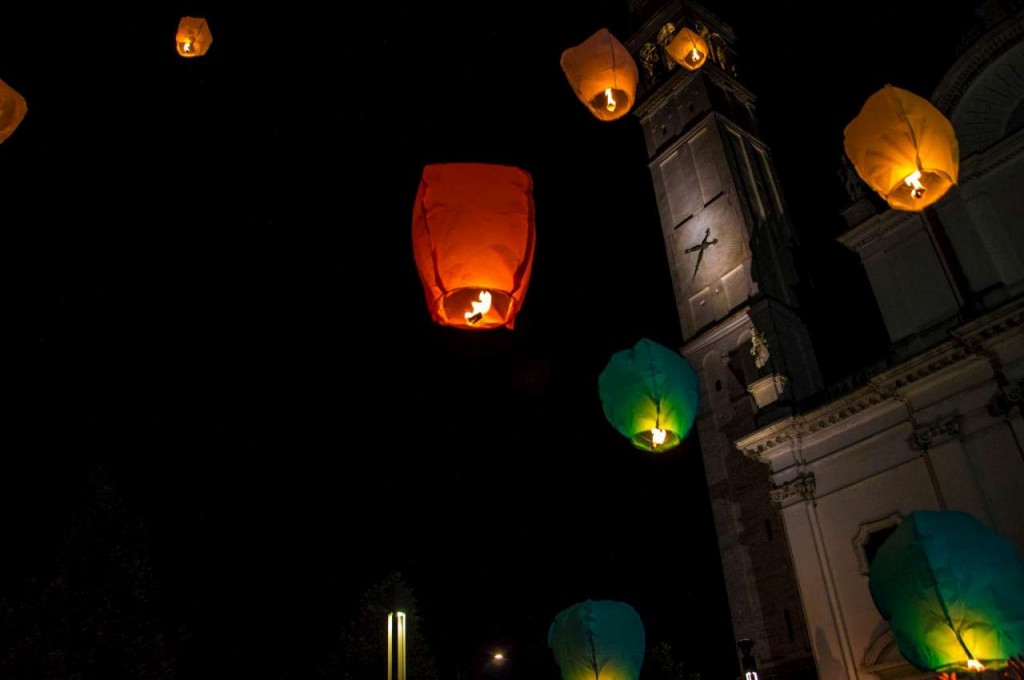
x=479 y=308
x=611 y=100
x=186 y=46
x=695 y=55
x=974 y=666
x=658 y=436
x=914 y=180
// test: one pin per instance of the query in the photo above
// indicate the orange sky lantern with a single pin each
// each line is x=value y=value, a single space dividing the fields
x=688 y=49
x=12 y=109
x=193 y=37
x=603 y=75
x=473 y=235
x=903 y=148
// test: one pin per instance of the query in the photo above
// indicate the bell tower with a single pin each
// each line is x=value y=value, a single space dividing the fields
x=730 y=248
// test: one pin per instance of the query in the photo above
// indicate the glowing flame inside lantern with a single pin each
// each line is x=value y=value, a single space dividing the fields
x=658 y=436
x=914 y=180
x=186 y=46
x=611 y=100
x=695 y=55
x=974 y=666
x=479 y=308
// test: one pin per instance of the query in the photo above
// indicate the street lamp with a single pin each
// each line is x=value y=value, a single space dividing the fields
x=748 y=663
x=495 y=660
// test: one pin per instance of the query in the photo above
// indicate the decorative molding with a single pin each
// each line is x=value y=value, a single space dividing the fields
x=801 y=488
x=768 y=390
x=938 y=431
x=984 y=162
x=726 y=328
x=970 y=342
x=983 y=52
x=876 y=227
x=864 y=535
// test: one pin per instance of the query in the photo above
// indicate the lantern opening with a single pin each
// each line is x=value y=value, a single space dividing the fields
x=476 y=308
x=609 y=100
x=974 y=666
x=656 y=439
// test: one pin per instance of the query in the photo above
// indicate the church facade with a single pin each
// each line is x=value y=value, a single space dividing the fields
x=806 y=480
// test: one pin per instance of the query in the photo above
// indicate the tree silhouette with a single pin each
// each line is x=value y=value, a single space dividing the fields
x=92 y=613
x=361 y=648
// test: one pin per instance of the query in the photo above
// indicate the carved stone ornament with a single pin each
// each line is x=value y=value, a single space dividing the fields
x=759 y=348
x=802 y=486
x=937 y=432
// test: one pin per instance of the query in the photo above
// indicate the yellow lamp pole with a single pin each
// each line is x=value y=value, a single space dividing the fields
x=396 y=645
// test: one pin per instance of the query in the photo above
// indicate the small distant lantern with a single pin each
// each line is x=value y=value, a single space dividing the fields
x=903 y=148
x=650 y=394
x=12 y=110
x=473 y=236
x=598 y=640
x=602 y=74
x=688 y=49
x=193 y=37
x=952 y=591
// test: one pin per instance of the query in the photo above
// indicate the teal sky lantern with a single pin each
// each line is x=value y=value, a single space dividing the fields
x=598 y=640
x=650 y=394
x=953 y=592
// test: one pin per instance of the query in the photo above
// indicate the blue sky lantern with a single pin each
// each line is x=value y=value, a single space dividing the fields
x=650 y=394
x=598 y=640
x=953 y=592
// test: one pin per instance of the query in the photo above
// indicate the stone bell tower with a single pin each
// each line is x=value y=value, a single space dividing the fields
x=730 y=250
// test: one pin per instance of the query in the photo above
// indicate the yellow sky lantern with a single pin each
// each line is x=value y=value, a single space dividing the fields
x=903 y=148
x=603 y=75
x=193 y=37
x=688 y=49
x=12 y=109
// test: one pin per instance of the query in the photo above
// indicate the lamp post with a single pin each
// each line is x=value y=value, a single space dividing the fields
x=396 y=645
x=747 y=662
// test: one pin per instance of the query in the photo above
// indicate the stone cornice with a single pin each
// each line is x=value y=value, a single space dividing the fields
x=969 y=342
x=983 y=52
x=728 y=326
x=984 y=162
x=875 y=227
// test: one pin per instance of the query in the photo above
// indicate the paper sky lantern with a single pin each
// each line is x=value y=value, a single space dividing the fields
x=688 y=49
x=650 y=394
x=473 y=237
x=903 y=148
x=193 y=37
x=598 y=640
x=12 y=109
x=602 y=74
x=953 y=592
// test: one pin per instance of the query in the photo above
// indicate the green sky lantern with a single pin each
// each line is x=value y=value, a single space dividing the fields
x=953 y=592
x=598 y=640
x=650 y=394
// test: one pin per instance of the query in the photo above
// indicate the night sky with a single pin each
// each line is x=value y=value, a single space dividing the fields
x=211 y=299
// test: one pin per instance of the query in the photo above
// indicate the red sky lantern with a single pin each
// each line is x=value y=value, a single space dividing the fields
x=473 y=234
